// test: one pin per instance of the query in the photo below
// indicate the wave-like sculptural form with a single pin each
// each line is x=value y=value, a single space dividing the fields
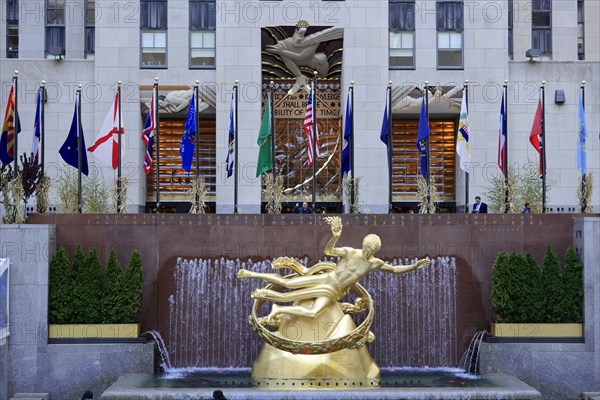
x=327 y=344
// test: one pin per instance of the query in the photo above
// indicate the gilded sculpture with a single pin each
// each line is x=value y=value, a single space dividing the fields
x=336 y=348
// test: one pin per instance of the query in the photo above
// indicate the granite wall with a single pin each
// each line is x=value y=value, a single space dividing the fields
x=560 y=371
x=473 y=240
x=31 y=364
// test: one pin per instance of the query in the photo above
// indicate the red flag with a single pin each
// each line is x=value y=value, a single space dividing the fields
x=536 y=134
x=308 y=128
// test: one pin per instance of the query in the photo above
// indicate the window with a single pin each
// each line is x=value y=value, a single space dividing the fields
x=202 y=33
x=402 y=33
x=55 y=28
x=510 y=29
x=580 y=31
x=450 y=34
x=90 y=30
x=406 y=167
x=541 y=26
x=153 y=25
x=12 y=29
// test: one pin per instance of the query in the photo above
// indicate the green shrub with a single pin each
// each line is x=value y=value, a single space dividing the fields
x=502 y=304
x=112 y=289
x=522 y=292
x=89 y=281
x=573 y=287
x=81 y=294
x=131 y=286
x=60 y=290
x=553 y=288
x=78 y=295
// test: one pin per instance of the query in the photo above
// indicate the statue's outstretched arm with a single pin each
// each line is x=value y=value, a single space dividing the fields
x=400 y=269
x=336 y=229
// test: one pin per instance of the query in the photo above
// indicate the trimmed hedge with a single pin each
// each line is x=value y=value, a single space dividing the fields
x=523 y=292
x=80 y=293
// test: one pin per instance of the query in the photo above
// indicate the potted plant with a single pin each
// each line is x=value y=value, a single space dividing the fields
x=87 y=303
x=532 y=302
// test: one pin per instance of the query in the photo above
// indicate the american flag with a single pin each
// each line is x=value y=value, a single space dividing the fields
x=308 y=128
x=148 y=137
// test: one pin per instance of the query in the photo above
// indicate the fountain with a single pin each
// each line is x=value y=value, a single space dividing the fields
x=312 y=362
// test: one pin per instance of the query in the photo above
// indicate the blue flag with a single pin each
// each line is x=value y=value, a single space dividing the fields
x=385 y=126
x=422 y=136
x=582 y=131
x=69 y=150
x=37 y=127
x=231 y=138
x=186 y=149
x=348 y=133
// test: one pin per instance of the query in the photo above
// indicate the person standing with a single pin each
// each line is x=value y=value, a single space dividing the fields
x=526 y=209
x=479 y=207
x=305 y=209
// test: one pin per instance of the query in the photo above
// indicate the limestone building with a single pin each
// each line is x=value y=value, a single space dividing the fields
x=408 y=42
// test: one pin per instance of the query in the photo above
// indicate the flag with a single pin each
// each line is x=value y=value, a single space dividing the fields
x=348 y=133
x=106 y=146
x=582 y=131
x=7 y=140
x=535 y=137
x=462 y=137
x=502 y=137
x=69 y=150
x=37 y=127
x=422 y=136
x=385 y=124
x=148 y=136
x=265 y=157
x=231 y=139
x=186 y=149
x=308 y=128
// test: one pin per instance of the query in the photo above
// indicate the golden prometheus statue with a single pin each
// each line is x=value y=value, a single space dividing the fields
x=315 y=339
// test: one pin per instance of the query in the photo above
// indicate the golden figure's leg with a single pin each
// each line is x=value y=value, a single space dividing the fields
x=311 y=312
x=292 y=283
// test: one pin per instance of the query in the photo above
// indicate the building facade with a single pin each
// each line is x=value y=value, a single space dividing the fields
x=435 y=43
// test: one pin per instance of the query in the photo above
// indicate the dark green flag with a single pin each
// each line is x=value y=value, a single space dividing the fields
x=264 y=141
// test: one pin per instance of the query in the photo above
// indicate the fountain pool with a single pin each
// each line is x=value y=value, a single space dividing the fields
x=396 y=383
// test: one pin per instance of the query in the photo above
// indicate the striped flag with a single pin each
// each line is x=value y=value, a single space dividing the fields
x=502 y=137
x=148 y=137
x=308 y=128
x=462 y=137
x=9 y=128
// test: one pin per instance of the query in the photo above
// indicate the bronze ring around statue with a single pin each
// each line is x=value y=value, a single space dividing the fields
x=355 y=339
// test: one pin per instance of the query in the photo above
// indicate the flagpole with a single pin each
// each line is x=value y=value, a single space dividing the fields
x=427 y=155
x=79 y=150
x=351 y=147
x=543 y=142
x=466 y=88
x=272 y=125
x=16 y=123
x=314 y=141
x=505 y=151
x=389 y=143
x=583 y=197
x=196 y=144
x=43 y=127
x=119 y=124
x=235 y=150
x=157 y=139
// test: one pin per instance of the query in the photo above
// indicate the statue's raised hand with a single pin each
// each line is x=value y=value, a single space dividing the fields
x=336 y=225
x=422 y=263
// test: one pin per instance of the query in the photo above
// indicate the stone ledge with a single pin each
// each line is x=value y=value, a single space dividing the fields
x=31 y=396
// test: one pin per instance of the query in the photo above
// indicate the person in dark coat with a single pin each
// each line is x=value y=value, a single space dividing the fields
x=305 y=209
x=218 y=395
x=479 y=207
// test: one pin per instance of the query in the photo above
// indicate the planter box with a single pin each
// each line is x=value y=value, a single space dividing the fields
x=537 y=330
x=93 y=331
